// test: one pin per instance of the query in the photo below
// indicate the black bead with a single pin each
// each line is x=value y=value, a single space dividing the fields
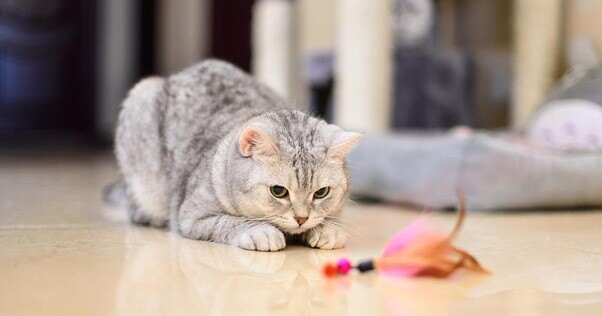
x=365 y=266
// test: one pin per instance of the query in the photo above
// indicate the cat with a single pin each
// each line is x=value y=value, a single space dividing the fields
x=218 y=156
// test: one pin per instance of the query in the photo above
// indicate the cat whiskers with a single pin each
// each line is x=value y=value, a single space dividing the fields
x=352 y=202
x=350 y=231
x=345 y=225
x=346 y=221
x=348 y=225
x=357 y=166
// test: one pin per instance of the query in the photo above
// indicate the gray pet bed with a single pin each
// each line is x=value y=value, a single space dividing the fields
x=493 y=171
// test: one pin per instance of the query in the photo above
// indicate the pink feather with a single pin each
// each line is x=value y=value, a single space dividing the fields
x=418 y=250
x=414 y=231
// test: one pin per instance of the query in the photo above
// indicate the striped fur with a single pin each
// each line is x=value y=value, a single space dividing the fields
x=177 y=145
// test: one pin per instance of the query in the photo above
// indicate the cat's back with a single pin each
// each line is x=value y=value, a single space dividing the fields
x=206 y=101
x=215 y=87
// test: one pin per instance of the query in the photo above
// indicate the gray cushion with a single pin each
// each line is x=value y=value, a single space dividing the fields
x=493 y=171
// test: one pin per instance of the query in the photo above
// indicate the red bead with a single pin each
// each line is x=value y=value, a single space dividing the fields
x=330 y=270
x=343 y=266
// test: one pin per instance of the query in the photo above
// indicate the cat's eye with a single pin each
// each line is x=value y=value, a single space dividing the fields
x=278 y=191
x=323 y=192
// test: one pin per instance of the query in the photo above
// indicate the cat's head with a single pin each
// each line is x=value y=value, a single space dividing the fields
x=290 y=170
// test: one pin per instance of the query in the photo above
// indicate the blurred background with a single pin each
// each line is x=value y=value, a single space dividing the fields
x=65 y=65
x=498 y=99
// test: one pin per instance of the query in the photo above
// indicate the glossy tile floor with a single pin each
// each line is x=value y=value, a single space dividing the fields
x=63 y=253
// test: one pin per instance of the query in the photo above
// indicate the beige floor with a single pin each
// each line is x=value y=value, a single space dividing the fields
x=62 y=253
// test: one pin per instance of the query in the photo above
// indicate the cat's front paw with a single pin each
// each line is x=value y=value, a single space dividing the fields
x=262 y=238
x=326 y=238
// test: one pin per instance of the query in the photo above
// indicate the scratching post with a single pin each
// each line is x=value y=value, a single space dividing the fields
x=537 y=41
x=363 y=65
x=182 y=28
x=274 y=49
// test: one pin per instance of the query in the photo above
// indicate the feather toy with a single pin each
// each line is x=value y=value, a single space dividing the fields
x=416 y=251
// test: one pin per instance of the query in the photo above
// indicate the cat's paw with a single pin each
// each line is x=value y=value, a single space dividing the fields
x=262 y=238
x=142 y=218
x=326 y=238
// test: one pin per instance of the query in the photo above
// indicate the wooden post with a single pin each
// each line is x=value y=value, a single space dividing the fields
x=274 y=45
x=182 y=34
x=363 y=65
x=537 y=30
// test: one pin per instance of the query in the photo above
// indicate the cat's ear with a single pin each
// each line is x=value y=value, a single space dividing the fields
x=256 y=143
x=342 y=143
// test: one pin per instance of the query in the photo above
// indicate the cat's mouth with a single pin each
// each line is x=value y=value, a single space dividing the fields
x=294 y=230
x=290 y=226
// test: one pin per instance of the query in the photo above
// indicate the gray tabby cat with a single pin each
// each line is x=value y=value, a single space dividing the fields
x=219 y=157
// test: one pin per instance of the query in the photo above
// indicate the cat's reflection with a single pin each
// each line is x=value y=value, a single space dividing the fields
x=176 y=276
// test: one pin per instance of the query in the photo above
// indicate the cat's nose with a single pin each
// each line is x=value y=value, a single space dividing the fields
x=301 y=220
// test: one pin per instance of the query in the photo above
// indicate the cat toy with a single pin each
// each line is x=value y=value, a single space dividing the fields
x=416 y=251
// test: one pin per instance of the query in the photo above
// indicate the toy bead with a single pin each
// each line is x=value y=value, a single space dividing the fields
x=343 y=266
x=365 y=266
x=330 y=270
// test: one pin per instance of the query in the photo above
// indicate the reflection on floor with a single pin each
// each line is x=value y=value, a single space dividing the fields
x=64 y=253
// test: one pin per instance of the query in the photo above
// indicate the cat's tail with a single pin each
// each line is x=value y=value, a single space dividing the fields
x=115 y=194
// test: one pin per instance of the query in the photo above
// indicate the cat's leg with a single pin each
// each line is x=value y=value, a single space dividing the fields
x=236 y=231
x=141 y=216
x=226 y=229
x=138 y=151
x=325 y=237
x=116 y=194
